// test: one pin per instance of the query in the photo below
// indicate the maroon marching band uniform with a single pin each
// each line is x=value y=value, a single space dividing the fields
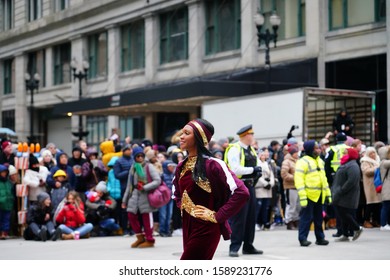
x=223 y=193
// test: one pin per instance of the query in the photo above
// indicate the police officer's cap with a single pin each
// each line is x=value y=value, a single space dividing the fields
x=245 y=130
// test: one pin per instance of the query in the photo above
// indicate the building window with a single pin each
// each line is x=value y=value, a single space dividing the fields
x=268 y=7
x=133 y=127
x=97 y=128
x=97 y=50
x=380 y=10
x=36 y=62
x=9 y=76
x=133 y=46
x=8 y=119
x=61 y=61
x=223 y=25
x=34 y=9
x=7 y=7
x=347 y=13
x=60 y=5
x=174 y=35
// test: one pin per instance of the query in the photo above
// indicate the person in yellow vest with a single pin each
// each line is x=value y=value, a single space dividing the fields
x=242 y=159
x=313 y=191
x=332 y=163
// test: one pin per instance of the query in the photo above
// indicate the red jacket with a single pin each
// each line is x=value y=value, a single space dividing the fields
x=71 y=216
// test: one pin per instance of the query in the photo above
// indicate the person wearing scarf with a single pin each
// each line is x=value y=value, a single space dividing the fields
x=207 y=192
x=143 y=177
x=346 y=192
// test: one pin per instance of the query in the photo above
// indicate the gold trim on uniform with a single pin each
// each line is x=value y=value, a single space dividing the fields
x=201 y=132
x=204 y=184
x=189 y=165
x=189 y=206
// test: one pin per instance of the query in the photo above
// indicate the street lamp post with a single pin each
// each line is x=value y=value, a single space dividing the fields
x=32 y=84
x=267 y=37
x=80 y=75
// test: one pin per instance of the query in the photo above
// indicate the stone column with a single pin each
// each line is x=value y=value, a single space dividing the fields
x=22 y=119
x=249 y=43
x=151 y=47
x=196 y=27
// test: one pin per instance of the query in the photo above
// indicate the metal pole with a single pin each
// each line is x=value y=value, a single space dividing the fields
x=80 y=116
x=31 y=112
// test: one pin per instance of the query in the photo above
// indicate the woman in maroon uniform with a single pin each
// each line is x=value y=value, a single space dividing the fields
x=207 y=193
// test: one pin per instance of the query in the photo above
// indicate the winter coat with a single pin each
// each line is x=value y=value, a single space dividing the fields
x=32 y=180
x=138 y=200
x=93 y=175
x=346 y=187
x=37 y=212
x=6 y=196
x=71 y=216
x=121 y=170
x=287 y=171
x=108 y=150
x=100 y=209
x=70 y=176
x=113 y=184
x=261 y=189
x=58 y=194
x=384 y=155
x=368 y=166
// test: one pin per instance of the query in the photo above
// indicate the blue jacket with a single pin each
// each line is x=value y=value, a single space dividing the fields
x=121 y=170
x=68 y=170
x=113 y=184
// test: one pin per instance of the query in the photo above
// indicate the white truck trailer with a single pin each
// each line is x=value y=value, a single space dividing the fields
x=272 y=114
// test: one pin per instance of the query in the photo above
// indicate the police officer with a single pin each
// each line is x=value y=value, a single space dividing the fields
x=313 y=191
x=242 y=159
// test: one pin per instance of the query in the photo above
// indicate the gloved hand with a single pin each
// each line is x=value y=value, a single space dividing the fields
x=303 y=203
x=140 y=186
x=328 y=200
x=257 y=172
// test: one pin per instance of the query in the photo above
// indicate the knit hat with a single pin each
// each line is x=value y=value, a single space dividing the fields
x=101 y=187
x=32 y=160
x=292 y=141
x=292 y=150
x=341 y=137
x=42 y=197
x=12 y=170
x=150 y=154
x=91 y=151
x=46 y=153
x=138 y=150
x=324 y=141
x=353 y=153
x=5 y=144
x=59 y=173
x=308 y=146
x=126 y=147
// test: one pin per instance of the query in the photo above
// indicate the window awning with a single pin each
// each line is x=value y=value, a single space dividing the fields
x=187 y=96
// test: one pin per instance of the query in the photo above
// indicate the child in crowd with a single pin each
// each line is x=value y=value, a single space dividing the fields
x=71 y=218
x=59 y=191
x=101 y=208
x=40 y=221
x=6 y=202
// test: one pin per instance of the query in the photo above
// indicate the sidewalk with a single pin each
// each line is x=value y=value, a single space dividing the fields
x=277 y=244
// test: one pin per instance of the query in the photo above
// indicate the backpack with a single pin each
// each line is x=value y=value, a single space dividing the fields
x=378 y=182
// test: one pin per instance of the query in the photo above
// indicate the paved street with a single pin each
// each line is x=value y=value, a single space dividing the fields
x=278 y=244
